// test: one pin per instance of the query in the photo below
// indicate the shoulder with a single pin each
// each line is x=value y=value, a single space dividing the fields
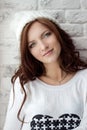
x=82 y=80
x=83 y=73
x=17 y=84
x=17 y=87
x=82 y=76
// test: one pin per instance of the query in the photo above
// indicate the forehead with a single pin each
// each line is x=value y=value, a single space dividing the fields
x=36 y=29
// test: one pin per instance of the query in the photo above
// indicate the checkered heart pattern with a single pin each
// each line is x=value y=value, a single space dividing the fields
x=64 y=122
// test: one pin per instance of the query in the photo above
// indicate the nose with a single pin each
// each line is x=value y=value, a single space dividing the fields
x=43 y=46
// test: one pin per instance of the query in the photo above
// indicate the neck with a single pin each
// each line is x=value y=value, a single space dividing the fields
x=54 y=72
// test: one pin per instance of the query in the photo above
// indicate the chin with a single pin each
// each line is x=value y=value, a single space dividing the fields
x=52 y=60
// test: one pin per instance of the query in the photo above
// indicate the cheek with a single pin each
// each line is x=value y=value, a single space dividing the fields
x=54 y=41
x=35 y=53
x=57 y=44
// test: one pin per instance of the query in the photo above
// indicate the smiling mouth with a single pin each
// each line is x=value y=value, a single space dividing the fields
x=48 y=53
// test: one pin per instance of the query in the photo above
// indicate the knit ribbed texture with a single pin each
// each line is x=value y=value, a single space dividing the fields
x=23 y=17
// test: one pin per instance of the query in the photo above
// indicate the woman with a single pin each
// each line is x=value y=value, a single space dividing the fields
x=50 y=86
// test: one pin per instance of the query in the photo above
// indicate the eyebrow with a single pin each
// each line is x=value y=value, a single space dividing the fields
x=40 y=36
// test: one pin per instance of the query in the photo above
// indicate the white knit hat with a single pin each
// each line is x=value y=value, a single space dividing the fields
x=23 y=17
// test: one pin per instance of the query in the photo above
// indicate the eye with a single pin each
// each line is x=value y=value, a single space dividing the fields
x=47 y=34
x=31 y=45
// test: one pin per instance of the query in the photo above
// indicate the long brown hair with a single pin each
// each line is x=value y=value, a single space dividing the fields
x=30 y=68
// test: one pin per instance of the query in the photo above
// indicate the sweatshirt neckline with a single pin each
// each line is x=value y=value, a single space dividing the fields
x=70 y=82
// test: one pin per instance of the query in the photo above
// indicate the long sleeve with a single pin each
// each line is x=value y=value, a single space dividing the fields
x=83 y=124
x=12 y=122
x=40 y=110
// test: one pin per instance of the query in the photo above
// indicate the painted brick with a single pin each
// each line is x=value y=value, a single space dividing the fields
x=2 y=119
x=6 y=44
x=4 y=97
x=59 y=4
x=9 y=58
x=4 y=14
x=73 y=29
x=76 y=16
x=5 y=31
x=5 y=84
x=2 y=109
x=19 y=4
x=84 y=4
x=81 y=43
x=71 y=4
x=85 y=30
x=8 y=70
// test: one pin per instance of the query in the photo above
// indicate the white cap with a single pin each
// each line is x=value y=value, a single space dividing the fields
x=23 y=17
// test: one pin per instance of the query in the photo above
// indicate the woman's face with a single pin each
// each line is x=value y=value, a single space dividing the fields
x=43 y=44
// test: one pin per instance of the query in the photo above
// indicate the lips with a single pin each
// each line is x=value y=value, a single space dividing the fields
x=48 y=52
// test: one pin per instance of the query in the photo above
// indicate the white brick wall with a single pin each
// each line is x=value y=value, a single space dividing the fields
x=72 y=16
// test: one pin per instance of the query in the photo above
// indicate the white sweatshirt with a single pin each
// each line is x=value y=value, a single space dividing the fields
x=48 y=107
